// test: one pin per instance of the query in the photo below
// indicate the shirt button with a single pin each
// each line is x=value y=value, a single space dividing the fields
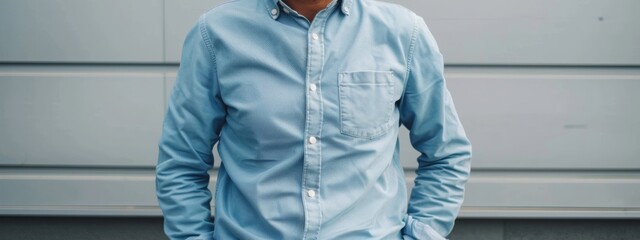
x=312 y=87
x=274 y=11
x=314 y=36
x=313 y=140
x=345 y=9
x=311 y=193
x=285 y=10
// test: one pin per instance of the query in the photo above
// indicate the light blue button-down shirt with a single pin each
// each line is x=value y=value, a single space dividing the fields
x=306 y=116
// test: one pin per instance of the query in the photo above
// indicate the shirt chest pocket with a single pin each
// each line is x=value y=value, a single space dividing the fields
x=366 y=103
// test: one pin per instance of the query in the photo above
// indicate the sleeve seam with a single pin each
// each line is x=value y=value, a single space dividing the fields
x=409 y=61
x=414 y=36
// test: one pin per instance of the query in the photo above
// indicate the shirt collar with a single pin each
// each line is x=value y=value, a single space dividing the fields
x=274 y=10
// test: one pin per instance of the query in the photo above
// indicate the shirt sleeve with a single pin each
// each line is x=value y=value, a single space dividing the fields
x=427 y=110
x=191 y=127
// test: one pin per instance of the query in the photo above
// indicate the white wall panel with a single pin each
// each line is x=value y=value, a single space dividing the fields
x=79 y=191
x=494 y=32
x=80 y=118
x=539 y=32
x=564 y=189
x=532 y=118
x=550 y=194
x=81 y=31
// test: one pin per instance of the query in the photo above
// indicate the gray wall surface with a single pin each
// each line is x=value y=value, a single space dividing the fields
x=150 y=228
x=81 y=31
x=547 y=91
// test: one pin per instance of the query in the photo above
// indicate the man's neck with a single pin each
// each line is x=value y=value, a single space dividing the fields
x=308 y=8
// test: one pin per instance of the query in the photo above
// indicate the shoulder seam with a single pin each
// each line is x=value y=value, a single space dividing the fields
x=210 y=48
x=207 y=40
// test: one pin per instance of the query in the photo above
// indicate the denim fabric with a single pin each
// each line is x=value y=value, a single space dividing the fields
x=306 y=117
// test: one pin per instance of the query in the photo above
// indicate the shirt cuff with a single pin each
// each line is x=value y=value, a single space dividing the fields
x=416 y=230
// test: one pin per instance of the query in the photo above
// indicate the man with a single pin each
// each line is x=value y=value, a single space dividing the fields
x=305 y=98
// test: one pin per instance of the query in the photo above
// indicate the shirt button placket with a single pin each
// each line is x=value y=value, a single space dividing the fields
x=313 y=158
